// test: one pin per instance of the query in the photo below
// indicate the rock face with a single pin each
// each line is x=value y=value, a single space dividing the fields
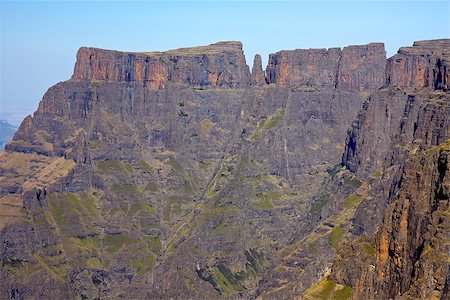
x=425 y=64
x=258 y=77
x=222 y=64
x=408 y=257
x=183 y=166
x=353 y=68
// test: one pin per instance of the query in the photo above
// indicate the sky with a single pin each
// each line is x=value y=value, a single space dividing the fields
x=39 y=40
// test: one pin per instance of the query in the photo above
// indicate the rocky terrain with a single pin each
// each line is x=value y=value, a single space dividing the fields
x=182 y=174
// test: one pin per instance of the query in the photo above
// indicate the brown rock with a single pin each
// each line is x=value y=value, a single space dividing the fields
x=257 y=71
x=362 y=67
x=221 y=64
x=410 y=247
x=425 y=64
x=354 y=68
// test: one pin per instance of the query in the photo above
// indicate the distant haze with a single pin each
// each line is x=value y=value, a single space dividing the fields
x=39 y=40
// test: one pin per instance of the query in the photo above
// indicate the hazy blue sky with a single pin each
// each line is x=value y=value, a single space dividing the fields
x=39 y=40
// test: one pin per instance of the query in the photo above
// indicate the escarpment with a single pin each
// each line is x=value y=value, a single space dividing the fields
x=222 y=64
x=425 y=64
x=181 y=174
x=353 y=68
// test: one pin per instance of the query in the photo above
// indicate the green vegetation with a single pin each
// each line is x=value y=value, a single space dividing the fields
x=154 y=243
x=227 y=282
x=351 y=180
x=57 y=272
x=352 y=200
x=328 y=290
x=94 y=263
x=124 y=189
x=266 y=124
x=114 y=242
x=151 y=187
x=335 y=236
x=143 y=264
x=223 y=170
x=143 y=209
x=304 y=89
x=377 y=174
x=75 y=246
x=265 y=202
x=106 y=166
x=334 y=170
x=65 y=210
x=93 y=86
x=320 y=203
x=223 y=279
x=144 y=165
x=369 y=249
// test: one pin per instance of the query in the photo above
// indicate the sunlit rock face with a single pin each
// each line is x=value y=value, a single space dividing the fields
x=182 y=174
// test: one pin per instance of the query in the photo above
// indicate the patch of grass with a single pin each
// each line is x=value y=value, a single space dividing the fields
x=143 y=209
x=265 y=202
x=328 y=290
x=151 y=187
x=75 y=246
x=94 y=263
x=377 y=174
x=124 y=189
x=143 y=264
x=273 y=120
x=144 y=165
x=57 y=272
x=334 y=170
x=226 y=281
x=114 y=242
x=174 y=164
x=223 y=170
x=369 y=249
x=66 y=210
x=266 y=124
x=351 y=180
x=352 y=200
x=106 y=166
x=154 y=243
x=336 y=236
x=320 y=203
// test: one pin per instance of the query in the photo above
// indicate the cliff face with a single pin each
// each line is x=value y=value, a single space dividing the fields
x=222 y=64
x=353 y=68
x=425 y=64
x=408 y=255
x=183 y=166
x=400 y=140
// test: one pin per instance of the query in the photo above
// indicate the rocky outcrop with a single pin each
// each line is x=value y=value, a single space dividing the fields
x=353 y=68
x=425 y=64
x=400 y=145
x=258 y=77
x=221 y=64
x=408 y=257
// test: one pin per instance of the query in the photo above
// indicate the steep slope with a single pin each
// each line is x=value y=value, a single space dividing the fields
x=399 y=146
x=181 y=174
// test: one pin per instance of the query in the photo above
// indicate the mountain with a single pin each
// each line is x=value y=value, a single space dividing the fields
x=6 y=133
x=181 y=174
